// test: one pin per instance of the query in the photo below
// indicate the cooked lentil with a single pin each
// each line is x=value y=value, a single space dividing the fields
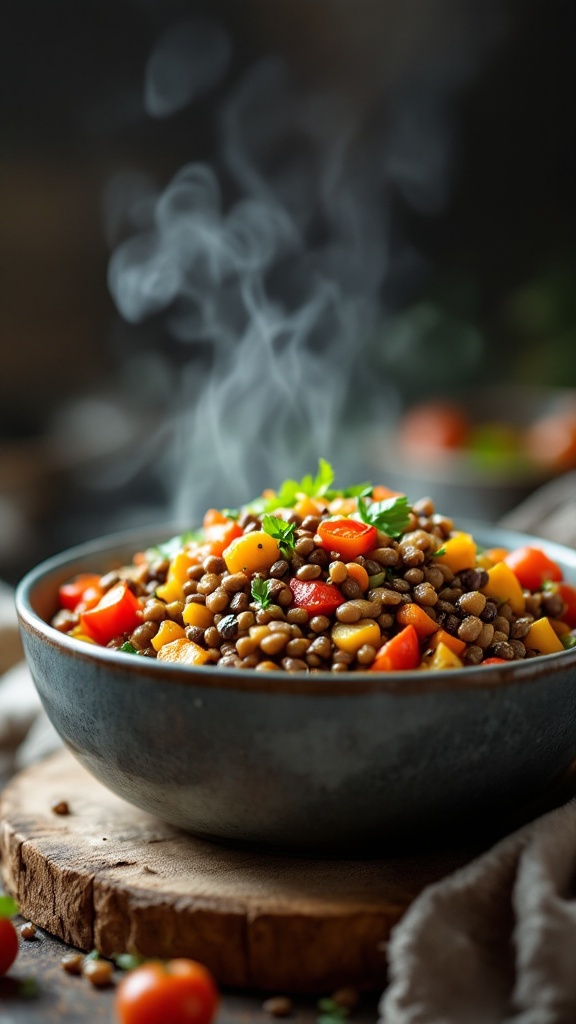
x=248 y=611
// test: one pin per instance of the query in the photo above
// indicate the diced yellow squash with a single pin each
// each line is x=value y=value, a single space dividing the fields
x=251 y=552
x=184 y=652
x=458 y=552
x=351 y=636
x=306 y=506
x=197 y=615
x=442 y=657
x=168 y=632
x=542 y=637
x=79 y=635
x=343 y=506
x=177 y=575
x=503 y=585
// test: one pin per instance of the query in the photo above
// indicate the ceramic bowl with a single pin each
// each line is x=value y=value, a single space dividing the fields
x=345 y=762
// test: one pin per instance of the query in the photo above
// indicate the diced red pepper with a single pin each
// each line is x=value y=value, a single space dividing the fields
x=568 y=594
x=532 y=567
x=399 y=654
x=71 y=593
x=494 y=661
x=117 y=612
x=348 y=537
x=317 y=597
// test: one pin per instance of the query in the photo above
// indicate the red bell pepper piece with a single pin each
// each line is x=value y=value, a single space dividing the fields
x=399 y=654
x=568 y=594
x=348 y=537
x=317 y=597
x=494 y=661
x=72 y=593
x=532 y=567
x=117 y=612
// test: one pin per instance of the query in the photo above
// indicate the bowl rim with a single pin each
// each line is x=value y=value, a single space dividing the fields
x=324 y=683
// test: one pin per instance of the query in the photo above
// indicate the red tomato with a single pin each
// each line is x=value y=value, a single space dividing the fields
x=494 y=661
x=568 y=595
x=178 y=992
x=8 y=944
x=401 y=653
x=433 y=427
x=316 y=597
x=118 y=611
x=348 y=537
x=532 y=567
x=70 y=594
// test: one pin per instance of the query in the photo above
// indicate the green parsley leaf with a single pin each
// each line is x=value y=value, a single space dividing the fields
x=8 y=906
x=282 y=532
x=291 y=490
x=391 y=515
x=169 y=548
x=260 y=590
x=128 y=648
x=441 y=551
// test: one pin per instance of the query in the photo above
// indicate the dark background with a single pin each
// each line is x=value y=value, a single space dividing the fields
x=495 y=256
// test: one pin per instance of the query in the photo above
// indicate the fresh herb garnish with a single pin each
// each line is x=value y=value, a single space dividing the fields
x=309 y=486
x=281 y=531
x=168 y=548
x=128 y=648
x=441 y=551
x=391 y=516
x=230 y=513
x=127 y=961
x=260 y=590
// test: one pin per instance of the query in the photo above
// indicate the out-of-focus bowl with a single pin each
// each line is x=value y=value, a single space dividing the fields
x=491 y=472
x=344 y=762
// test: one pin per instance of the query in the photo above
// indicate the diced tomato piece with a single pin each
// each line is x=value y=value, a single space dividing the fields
x=494 y=661
x=532 y=567
x=400 y=654
x=220 y=535
x=117 y=612
x=348 y=537
x=381 y=493
x=70 y=594
x=568 y=594
x=317 y=597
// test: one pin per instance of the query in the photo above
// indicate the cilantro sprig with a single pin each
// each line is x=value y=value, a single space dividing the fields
x=260 y=590
x=391 y=515
x=282 y=532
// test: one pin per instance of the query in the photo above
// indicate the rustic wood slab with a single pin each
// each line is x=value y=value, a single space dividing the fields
x=110 y=877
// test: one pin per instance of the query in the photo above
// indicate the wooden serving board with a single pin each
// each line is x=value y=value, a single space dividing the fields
x=110 y=877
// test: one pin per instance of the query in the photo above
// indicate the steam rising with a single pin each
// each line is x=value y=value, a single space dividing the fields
x=278 y=290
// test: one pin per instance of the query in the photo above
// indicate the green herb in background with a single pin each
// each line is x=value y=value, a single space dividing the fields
x=331 y=1012
x=8 y=907
x=128 y=648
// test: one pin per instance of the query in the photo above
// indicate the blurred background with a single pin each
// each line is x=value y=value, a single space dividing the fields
x=236 y=236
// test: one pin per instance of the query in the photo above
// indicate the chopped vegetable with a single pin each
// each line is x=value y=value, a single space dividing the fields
x=347 y=537
x=117 y=612
x=351 y=636
x=284 y=533
x=542 y=637
x=400 y=654
x=315 y=597
x=168 y=632
x=251 y=553
x=9 y=944
x=260 y=590
x=503 y=585
x=183 y=651
x=532 y=567
x=71 y=594
x=458 y=553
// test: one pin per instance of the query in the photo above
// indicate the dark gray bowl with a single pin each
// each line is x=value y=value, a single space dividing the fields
x=330 y=762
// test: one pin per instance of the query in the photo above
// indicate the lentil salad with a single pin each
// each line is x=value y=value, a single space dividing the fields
x=308 y=578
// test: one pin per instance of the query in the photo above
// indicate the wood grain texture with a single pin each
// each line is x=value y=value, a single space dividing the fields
x=111 y=877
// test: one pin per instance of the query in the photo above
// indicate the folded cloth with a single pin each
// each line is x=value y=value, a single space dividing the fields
x=493 y=943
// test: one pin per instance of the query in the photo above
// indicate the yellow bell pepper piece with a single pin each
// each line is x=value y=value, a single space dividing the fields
x=458 y=552
x=251 y=552
x=503 y=585
x=542 y=637
x=184 y=652
x=442 y=657
x=351 y=636
x=197 y=615
x=168 y=631
x=176 y=577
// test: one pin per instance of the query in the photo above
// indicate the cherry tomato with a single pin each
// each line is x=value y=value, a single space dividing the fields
x=347 y=536
x=177 y=992
x=70 y=594
x=532 y=567
x=8 y=944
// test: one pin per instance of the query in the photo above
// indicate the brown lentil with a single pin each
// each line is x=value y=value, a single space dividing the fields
x=98 y=972
x=470 y=629
x=28 y=931
x=308 y=572
x=72 y=963
x=319 y=623
x=142 y=635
